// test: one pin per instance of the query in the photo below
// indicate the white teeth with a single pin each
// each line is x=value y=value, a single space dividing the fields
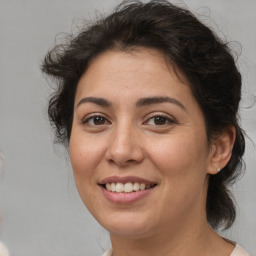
x=113 y=187
x=108 y=186
x=136 y=186
x=119 y=187
x=142 y=186
x=127 y=187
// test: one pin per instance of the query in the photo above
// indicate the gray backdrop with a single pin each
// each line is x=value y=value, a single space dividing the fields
x=41 y=210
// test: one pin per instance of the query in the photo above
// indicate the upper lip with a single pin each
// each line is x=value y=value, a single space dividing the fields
x=118 y=179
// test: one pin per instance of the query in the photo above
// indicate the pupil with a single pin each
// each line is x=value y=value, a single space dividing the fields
x=160 y=120
x=98 y=120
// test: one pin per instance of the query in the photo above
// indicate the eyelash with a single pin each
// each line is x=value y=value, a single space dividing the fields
x=87 y=120
x=166 y=119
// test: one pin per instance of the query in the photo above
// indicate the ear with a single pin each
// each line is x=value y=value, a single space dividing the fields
x=221 y=150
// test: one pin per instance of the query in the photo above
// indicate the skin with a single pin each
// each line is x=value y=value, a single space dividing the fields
x=127 y=140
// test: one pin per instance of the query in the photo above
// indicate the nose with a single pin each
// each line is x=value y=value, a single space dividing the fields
x=125 y=147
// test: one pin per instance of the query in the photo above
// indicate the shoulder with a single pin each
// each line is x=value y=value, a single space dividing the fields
x=106 y=253
x=239 y=251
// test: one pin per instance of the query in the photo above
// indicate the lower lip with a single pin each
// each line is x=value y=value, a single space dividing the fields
x=126 y=198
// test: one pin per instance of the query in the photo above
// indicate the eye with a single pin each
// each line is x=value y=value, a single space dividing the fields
x=96 y=121
x=159 y=120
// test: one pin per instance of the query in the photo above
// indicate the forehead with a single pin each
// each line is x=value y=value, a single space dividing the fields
x=139 y=70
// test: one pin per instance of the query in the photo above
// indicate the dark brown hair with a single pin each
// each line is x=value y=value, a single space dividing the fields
x=185 y=42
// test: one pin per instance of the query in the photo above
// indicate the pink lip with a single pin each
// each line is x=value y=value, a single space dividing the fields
x=133 y=179
x=125 y=198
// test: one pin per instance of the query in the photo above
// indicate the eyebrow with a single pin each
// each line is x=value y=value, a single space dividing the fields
x=155 y=100
x=98 y=101
x=140 y=103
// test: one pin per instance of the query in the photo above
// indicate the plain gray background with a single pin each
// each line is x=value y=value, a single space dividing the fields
x=41 y=211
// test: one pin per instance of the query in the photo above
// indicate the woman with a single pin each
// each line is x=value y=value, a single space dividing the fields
x=147 y=103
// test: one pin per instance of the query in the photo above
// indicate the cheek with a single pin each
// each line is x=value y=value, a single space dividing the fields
x=182 y=162
x=85 y=154
x=176 y=152
x=84 y=160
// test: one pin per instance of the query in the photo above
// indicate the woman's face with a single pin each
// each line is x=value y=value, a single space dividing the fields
x=138 y=144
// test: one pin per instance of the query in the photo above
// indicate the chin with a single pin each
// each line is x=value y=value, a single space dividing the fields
x=129 y=226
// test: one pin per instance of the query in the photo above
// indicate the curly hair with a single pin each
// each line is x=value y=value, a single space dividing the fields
x=193 y=48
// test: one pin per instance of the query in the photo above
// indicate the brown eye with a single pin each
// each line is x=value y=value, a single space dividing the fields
x=96 y=121
x=159 y=121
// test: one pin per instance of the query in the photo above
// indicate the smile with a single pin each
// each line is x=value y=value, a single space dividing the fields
x=128 y=187
x=126 y=190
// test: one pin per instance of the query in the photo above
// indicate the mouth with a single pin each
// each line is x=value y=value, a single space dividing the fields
x=128 y=187
x=123 y=190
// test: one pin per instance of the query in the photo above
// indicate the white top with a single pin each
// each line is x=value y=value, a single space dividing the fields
x=238 y=251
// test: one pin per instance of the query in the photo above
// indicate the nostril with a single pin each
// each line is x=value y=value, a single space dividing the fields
x=123 y=149
x=122 y=163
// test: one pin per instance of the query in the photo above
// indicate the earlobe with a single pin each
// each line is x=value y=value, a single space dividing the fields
x=221 y=150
